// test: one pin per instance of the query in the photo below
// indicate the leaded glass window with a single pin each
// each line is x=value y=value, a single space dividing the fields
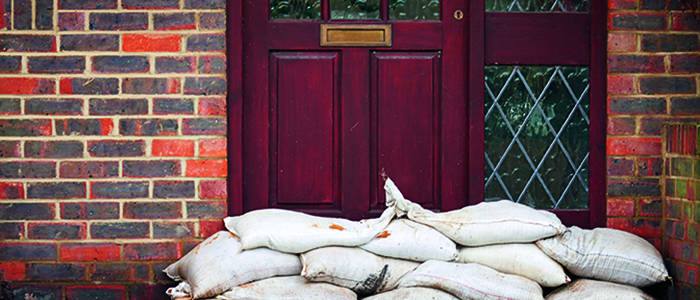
x=537 y=5
x=354 y=9
x=295 y=9
x=414 y=9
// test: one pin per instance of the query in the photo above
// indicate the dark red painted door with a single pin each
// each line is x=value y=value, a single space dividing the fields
x=321 y=122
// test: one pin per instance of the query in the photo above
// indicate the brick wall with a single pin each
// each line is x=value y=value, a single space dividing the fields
x=653 y=78
x=112 y=142
x=682 y=208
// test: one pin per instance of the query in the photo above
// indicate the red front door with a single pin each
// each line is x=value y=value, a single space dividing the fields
x=321 y=122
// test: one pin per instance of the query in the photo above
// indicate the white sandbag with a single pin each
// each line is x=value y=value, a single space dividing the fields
x=518 y=259
x=217 y=264
x=585 y=289
x=607 y=254
x=472 y=282
x=287 y=288
x=413 y=293
x=488 y=223
x=354 y=268
x=406 y=239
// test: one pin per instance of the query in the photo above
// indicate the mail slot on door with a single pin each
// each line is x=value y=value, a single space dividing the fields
x=355 y=35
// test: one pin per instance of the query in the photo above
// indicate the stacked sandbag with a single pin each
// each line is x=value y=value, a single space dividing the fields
x=405 y=239
x=414 y=293
x=287 y=288
x=586 y=289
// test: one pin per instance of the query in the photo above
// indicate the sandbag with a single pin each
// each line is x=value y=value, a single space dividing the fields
x=607 y=254
x=287 y=288
x=217 y=264
x=585 y=289
x=406 y=239
x=488 y=223
x=354 y=268
x=413 y=293
x=472 y=281
x=518 y=259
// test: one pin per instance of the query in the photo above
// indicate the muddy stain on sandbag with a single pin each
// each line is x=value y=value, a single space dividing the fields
x=383 y=235
x=336 y=227
x=373 y=283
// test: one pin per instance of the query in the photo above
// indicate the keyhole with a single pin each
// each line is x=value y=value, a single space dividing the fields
x=459 y=14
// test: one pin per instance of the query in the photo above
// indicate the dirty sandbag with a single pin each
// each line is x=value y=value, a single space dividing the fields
x=489 y=223
x=472 y=281
x=518 y=259
x=287 y=288
x=354 y=268
x=406 y=239
x=217 y=264
x=607 y=254
x=586 y=289
x=413 y=293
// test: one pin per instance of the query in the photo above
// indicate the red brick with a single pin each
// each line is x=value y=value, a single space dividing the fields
x=84 y=127
x=89 y=169
x=634 y=146
x=118 y=272
x=212 y=148
x=637 y=21
x=208 y=228
x=685 y=22
x=10 y=149
x=206 y=168
x=102 y=292
x=636 y=106
x=212 y=189
x=10 y=271
x=620 y=85
x=206 y=209
x=622 y=4
x=685 y=63
x=89 y=252
x=57 y=231
x=650 y=207
x=667 y=85
x=27 y=86
x=634 y=187
x=173 y=230
x=27 y=251
x=640 y=227
x=151 y=42
x=215 y=106
x=625 y=63
x=90 y=210
x=152 y=210
x=172 y=148
x=623 y=125
x=11 y=190
x=649 y=166
x=620 y=166
x=621 y=207
x=622 y=42
x=652 y=125
x=152 y=251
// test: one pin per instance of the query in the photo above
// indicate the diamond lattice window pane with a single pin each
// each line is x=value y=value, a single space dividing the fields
x=537 y=5
x=354 y=9
x=536 y=135
x=301 y=9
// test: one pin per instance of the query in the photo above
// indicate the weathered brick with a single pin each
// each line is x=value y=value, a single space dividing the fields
x=127 y=230
x=175 y=64
x=640 y=227
x=151 y=251
x=205 y=86
x=12 y=231
x=71 y=21
x=652 y=125
x=634 y=146
x=215 y=64
x=57 y=231
x=10 y=149
x=621 y=126
x=685 y=105
x=55 y=271
x=56 y=64
x=620 y=166
x=636 y=64
x=151 y=86
x=212 y=20
x=115 y=148
x=148 y=291
x=204 y=126
x=108 y=107
x=27 y=251
x=25 y=127
x=89 y=252
x=27 y=169
x=10 y=106
x=650 y=166
x=148 y=127
x=173 y=21
x=40 y=292
x=88 y=169
x=27 y=86
x=118 y=21
x=150 y=4
x=213 y=189
x=43 y=17
x=189 y=246
x=152 y=210
x=51 y=106
x=650 y=207
x=27 y=211
x=209 y=228
x=620 y=207
x=10 y=64
x=212 y=148
x=173 y=189
x=636 y=21
x=89 y=86
x=53 y=149
x=660 y=4
x=84 y=127
x=22 y=14
x=635 y=106
x=119 y=272
x=623 y=187
x=206 y=209
x=173 y=106
x=154 y=168
x=206 y=168
x=173 y=230
x=90 y=292
x=685 y=63
x=13 y=271
x=11 y=190
x=138 y=42
x=685 y=22
x=89 y=210
x=175 y=148
x=119 y=190
x=27 y=43
x=89 y=42
x=205 y=4
x=120 y=64
x=158 y=275
x=667 y=85
x=92 y=4
x=206 y=43
x=56 y=190
x=6 y=16
x=670 y=42
x=622 y=4
x=212 y=106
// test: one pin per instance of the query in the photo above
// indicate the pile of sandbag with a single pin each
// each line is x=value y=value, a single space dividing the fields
x=493 y=250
